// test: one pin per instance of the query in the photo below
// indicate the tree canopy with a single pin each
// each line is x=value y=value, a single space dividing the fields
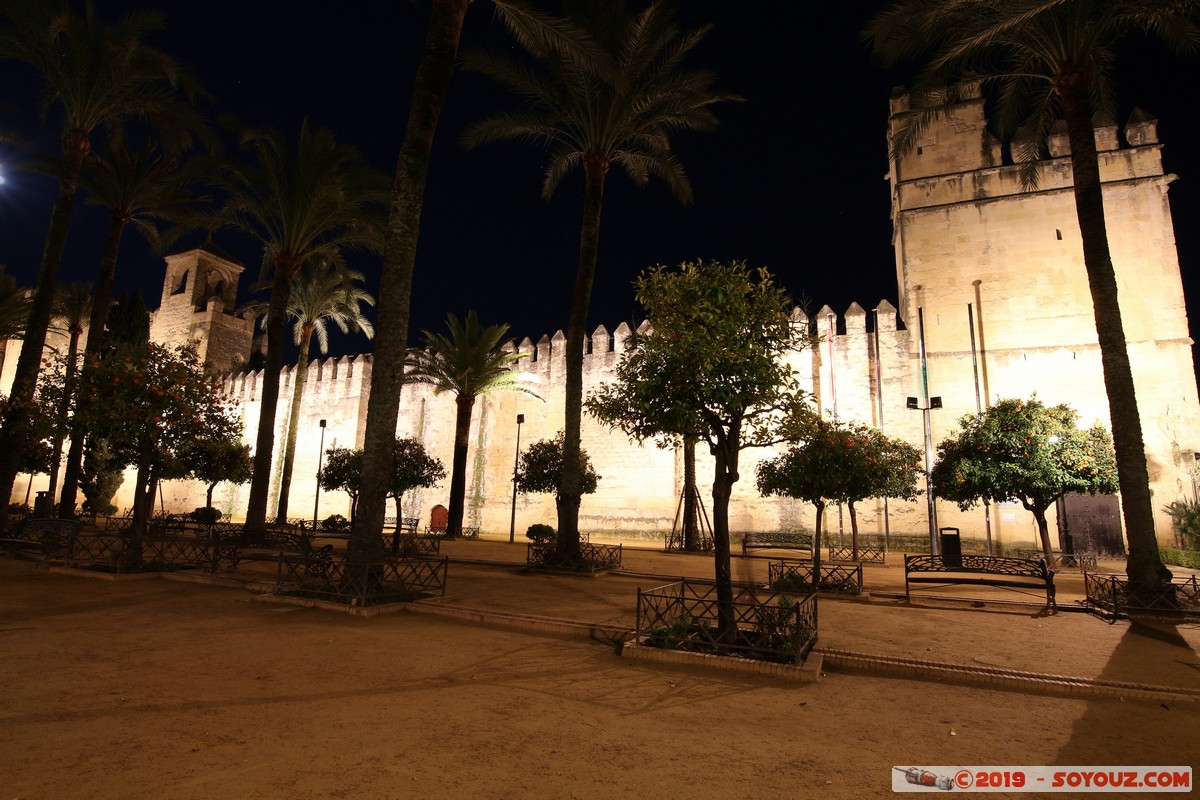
x=713 y=365
x=1026 y=451
x=541 y=468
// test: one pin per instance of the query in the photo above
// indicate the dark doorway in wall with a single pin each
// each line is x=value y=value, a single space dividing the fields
x=1090 y=523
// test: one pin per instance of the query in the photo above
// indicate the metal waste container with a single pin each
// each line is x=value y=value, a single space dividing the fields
x=42 y=507
x=950 y=544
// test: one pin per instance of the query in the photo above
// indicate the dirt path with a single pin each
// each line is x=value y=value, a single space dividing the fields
x=159 y=689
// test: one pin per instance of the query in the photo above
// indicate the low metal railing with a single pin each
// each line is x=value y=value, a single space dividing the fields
x=337 y=579
x=595 y=557
x=797 y=576
x=686 y=615
x=870 y=554
x=1109 y=597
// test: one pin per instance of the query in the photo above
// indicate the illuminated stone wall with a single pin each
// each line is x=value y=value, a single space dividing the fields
x=992 y=274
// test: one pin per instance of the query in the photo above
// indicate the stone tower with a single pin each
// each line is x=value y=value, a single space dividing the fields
x=994 y=275
x=198 y=306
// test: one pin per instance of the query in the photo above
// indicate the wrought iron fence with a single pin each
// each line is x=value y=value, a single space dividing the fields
x=685 y=615
x=49 y=538
x=1086 y=560
x=335 y=578
x=797 y=576
x=414 y=544
x=873 y=555
x=674 y=542
x=1109 y=596
x=118 y=524
x=595 y=557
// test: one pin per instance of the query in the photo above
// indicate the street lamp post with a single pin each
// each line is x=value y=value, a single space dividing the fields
x=317 y=491
x=512 y=522
x=934 y=402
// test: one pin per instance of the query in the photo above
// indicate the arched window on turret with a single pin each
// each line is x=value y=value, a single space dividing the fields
x=182 y=285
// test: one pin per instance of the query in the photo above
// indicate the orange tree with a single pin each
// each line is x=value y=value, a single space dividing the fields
x=841 y=464
x=156 y=408
x=1027 y=451
x=411 y=468
x=713 y=366
x=541 y=467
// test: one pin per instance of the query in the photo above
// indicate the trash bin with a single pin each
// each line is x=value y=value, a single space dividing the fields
x=42 y=507
x=950 y=544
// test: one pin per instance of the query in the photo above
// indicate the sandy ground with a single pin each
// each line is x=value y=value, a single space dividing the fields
x=162 y=689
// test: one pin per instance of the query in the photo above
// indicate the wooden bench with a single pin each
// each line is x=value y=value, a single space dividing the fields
x=777 y=540
x=1006 y=573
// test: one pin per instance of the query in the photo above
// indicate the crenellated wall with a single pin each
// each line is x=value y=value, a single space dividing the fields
x=993 y=303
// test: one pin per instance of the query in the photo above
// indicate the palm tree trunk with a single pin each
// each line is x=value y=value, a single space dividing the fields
x=18 y=409
x=101 y=304
x=458 y=472
x=281 y=288
x=395 y=291
x=1144 y=566
x=570 y=491
x=289 y=448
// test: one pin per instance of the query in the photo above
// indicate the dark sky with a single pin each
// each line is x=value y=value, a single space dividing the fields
x=792 y=180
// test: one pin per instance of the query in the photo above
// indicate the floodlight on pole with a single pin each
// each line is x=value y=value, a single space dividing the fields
x=317 y=491
x=512 y=522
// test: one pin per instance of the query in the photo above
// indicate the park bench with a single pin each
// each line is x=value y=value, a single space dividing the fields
x=777 y=540
x=1006 y=573
x=48 y=538
x=286 y=547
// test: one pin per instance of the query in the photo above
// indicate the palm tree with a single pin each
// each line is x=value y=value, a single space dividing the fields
x=97 y=76
x=140 y=189
x=321 y=294
x=14 y=307
x=470 y=362
x=314 y=203
x=430 y=86
x=1041 y=60
x=72 y=307
x=609 y=88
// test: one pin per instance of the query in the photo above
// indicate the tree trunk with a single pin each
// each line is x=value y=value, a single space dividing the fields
x=289 y=448
x=1144 y=567
x=1039 y=515
x=19 y=408
x=820 y=504
x=724 y=477
x=570 y=485
x=260 y=483
x=143 y=504
x=458 y=472
x=853 y=531
x=395 y=291
x=101 y=304
x=691 y=521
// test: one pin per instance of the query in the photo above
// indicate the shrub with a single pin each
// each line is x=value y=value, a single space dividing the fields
x=541 y=534
x=1180 y=558
x=335 y=522
x=1185 y=518
x=205 y=515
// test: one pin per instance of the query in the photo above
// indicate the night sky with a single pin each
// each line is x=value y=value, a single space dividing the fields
x=792 y=180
